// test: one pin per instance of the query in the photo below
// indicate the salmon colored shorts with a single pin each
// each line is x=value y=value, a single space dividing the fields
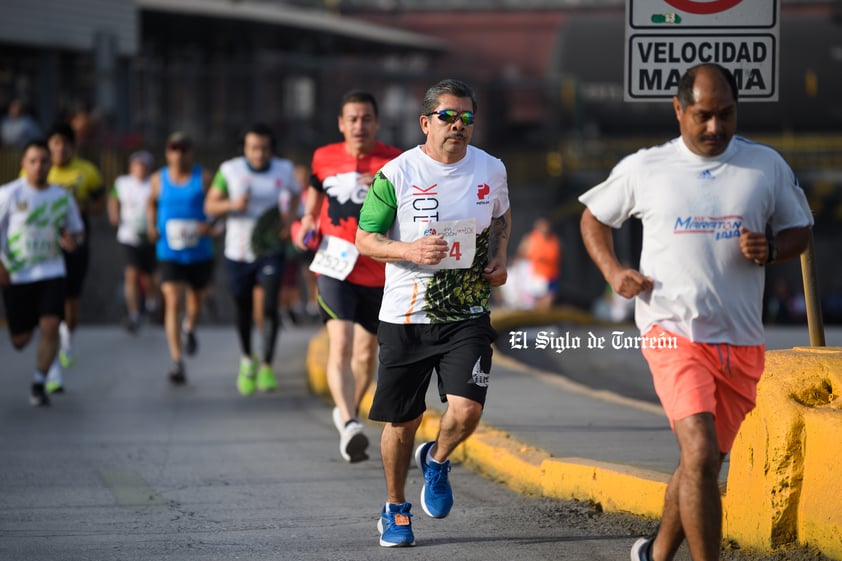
x=717 y=378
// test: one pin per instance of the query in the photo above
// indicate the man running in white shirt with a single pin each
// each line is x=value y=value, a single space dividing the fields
x=439 y=216
x=37 y=222
x=706 y=200
x=127 y=211
x=251 y=190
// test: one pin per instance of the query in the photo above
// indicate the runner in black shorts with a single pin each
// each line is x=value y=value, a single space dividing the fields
x=37 y=222
x=83 y=181
x=177 y=223
x=342 y=173
x=127 y=211
x=439 y=216
x=257 y=194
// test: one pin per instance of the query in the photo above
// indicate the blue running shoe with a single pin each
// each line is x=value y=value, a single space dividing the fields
x=395 y=526
x=436 y=495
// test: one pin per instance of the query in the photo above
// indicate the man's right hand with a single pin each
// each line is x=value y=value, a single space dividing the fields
x=239 y=204
x=629 y=283
x=308 y=228
x=427 y=250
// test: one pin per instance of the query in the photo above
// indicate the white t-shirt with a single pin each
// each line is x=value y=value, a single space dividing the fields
x=275 y=187
x=31 y=222
x=133 y=195
x=692 y=209
x=414 y=195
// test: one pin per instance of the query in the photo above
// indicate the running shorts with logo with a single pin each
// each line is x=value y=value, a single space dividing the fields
x=460 y=353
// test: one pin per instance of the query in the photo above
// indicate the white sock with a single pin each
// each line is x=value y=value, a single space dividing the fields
x=430 y=457
x=39 y=377
x=65 y=336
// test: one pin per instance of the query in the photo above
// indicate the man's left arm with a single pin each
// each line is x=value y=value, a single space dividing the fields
x=498 y=245
x=787 y=244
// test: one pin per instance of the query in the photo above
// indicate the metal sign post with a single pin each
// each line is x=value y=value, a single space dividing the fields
x=812 y=301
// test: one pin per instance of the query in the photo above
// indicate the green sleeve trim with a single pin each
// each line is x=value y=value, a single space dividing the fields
x=219 y=182
x=380 y=207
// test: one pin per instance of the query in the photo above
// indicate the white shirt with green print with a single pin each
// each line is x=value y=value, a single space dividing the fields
x=414 y=195
x=31 y=222
x=275 y=186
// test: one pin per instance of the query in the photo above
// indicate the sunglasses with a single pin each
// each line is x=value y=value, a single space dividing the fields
x=178 y=146
x=449 y=116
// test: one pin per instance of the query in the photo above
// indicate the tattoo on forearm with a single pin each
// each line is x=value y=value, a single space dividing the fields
x=498 y=234
x=380 y=238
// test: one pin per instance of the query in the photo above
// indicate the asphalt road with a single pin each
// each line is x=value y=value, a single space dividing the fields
x=126 y=467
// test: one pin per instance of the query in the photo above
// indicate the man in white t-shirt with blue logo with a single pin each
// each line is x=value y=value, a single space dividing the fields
x=37 y=222
x=439 y=216
x=706 y=201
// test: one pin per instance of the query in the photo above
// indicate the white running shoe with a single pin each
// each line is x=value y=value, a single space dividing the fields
x=337 y=420
x=353 y=443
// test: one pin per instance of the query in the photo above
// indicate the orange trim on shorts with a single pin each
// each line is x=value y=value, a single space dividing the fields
x=716 y=378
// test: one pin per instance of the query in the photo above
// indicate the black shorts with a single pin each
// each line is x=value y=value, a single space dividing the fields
x=27 y=303
x=351 y=302
x=76 y=264
x=198 y=275
x=263 y=271
x=460 y=352
x=141 y=257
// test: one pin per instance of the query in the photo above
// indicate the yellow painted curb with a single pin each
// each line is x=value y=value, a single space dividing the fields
x=614 y=487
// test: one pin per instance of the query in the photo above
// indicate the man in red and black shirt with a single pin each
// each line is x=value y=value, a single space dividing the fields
x=350 y=285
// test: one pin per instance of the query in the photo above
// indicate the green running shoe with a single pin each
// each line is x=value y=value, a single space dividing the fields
x=266 y=381
x=66 y=358
x=54 y=386
x=245 y=379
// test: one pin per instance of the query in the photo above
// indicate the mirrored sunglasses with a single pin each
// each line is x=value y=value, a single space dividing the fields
x=450 y=115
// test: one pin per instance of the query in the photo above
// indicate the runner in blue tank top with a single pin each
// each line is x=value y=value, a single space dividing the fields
x=178 y=224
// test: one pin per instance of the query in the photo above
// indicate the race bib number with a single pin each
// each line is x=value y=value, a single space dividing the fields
x=182 y=233
x=461 y=238
x=40 y=244
x=335 y=258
